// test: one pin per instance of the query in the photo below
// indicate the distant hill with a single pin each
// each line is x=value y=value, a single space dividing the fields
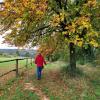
x=18 y=52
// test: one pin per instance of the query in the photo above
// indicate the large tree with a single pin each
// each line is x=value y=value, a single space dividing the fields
x=68 y=21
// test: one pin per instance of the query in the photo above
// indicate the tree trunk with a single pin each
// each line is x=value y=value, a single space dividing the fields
x=72 y=58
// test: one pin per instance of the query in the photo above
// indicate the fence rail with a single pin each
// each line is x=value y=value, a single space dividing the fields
x=17 y=65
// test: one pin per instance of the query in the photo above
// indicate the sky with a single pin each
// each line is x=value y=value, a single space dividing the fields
x=1 y=0
x=5 y=46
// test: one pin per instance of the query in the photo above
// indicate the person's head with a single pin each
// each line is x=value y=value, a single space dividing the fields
x=39 y=53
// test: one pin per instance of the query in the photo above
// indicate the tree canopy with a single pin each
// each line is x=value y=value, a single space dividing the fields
x=33 y=21
x=22 y=17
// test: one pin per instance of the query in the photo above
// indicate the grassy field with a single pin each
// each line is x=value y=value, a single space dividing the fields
x=7 y=66
x=55 y=84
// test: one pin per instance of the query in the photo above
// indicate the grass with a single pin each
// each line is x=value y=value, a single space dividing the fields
x=12 y=63
x=5 y=58
x=7 y=66
x=57 y=84
x=16 y=92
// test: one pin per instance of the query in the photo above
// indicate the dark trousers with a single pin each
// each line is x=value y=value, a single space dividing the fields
x=39 y=72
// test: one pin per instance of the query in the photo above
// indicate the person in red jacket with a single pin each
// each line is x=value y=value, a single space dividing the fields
x=39 y=61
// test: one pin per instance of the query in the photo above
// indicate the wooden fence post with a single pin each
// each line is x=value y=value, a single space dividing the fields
x=31 y=61
x=26 y=62
x=17 y=74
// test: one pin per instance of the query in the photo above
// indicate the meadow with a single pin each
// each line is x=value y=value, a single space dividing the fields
x=7 y=66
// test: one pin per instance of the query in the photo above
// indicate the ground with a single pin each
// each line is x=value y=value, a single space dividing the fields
x=55 y=84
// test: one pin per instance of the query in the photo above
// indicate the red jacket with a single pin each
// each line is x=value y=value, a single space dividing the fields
x=39 y=60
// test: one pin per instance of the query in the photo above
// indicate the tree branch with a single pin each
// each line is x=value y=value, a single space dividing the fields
x=41 y=28
x=59 y=3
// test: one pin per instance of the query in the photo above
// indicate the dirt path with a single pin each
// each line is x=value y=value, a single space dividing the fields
x=27 y=86
x=30 y=87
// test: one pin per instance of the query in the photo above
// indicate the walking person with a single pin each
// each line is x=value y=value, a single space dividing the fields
x=39 y=61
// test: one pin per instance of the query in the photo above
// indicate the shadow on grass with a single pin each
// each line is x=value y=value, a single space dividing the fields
x=66 y=71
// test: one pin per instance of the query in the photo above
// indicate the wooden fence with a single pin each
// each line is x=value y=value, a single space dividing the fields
x=17 y=65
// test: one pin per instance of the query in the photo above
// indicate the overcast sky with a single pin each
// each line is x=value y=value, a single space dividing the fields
x=1 y=0
x=5 y=46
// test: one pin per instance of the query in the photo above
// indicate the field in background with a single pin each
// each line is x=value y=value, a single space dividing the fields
x=7 y=66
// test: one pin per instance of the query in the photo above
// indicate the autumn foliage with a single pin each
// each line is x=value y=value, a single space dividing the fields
x=75 y=24
x=21 y=17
